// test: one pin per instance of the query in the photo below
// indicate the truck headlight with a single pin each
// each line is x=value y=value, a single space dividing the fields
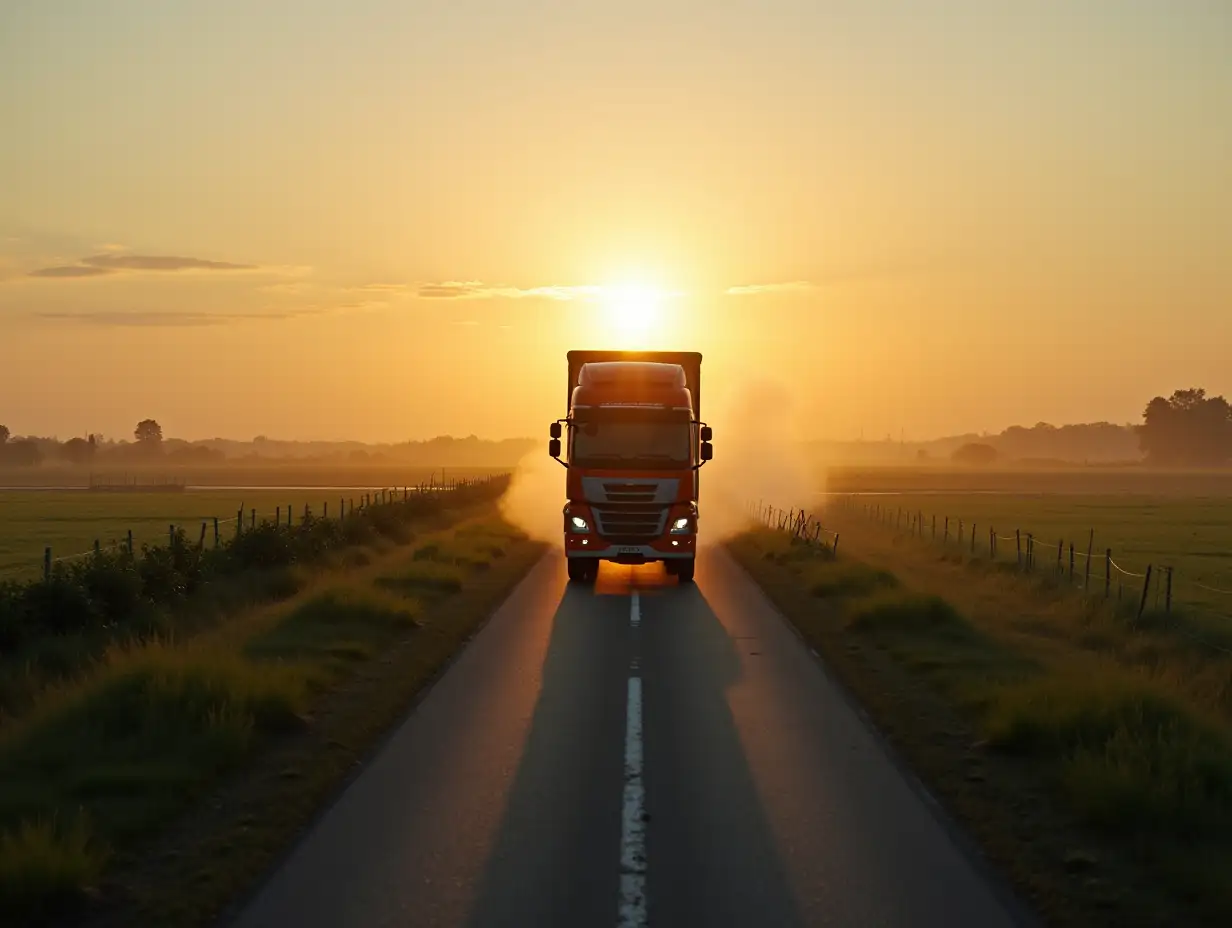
x=680 y=526
x=578 y=524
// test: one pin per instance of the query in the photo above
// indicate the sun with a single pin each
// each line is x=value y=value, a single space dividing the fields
x=632 y=309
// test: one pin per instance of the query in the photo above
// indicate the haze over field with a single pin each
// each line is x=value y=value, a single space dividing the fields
x=382 y=220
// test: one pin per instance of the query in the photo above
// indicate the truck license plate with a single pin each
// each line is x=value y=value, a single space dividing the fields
x=629 y=549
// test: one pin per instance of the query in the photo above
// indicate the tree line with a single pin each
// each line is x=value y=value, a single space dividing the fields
x=31 y=451
x=1187 y=429
x=149 y=444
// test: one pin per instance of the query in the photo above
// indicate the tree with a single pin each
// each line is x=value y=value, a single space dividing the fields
x=23 y=453
x=1187 y=429
x=4 y=434
x=975 y=453
x=77 y=451
x=149 y=433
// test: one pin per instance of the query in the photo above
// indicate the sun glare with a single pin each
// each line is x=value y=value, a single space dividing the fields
x=632 y=309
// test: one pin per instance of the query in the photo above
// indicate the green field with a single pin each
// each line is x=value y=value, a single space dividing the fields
x=1192 y=536
x=1177 y=520
x=70 y=521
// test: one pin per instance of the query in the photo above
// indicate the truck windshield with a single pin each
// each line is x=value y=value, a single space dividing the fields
x=630 y=443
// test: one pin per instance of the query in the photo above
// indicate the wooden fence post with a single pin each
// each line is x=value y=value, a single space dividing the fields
x=934 y=528
x=1071 y=562
x=239 y=522
x=1168 y=593
x=946 y=538
x=1060 y=548
x=836 y=545
x=278 y=516
x=47 y=563
x=201 y=540
x=253 y=515
x=97 y=548
x=217 y=541
x=1086 y=583
x=992 y=542
x=1146 y=586
x=130 y=541
x=1030 y=550
x=171 y=536
x=1107 y=573
x=1018 y=543
x=973 y=538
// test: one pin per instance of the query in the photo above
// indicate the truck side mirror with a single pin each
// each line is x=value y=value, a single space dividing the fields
x=555 y=430
x=554 y=447
x=707 y=451
x=707 y=433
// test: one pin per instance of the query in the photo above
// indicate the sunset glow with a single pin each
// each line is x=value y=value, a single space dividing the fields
x=633 y=309
x=832 y=196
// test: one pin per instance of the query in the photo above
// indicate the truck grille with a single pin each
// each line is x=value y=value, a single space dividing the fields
x=630 y=492
x=629 y=522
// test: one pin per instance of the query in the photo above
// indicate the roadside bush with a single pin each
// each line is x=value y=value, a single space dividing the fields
x=119 y=588
x=112 y=582
x=59 y=605
x=13 y=627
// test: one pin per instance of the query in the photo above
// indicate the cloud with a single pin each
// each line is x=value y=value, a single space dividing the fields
x=791 y=286
x=101 y=264
x=477 y=290
x=114 y=262
x=69 y=270
x=174 y=318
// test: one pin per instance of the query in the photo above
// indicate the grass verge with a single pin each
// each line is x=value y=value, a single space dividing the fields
x=1090 y=756
x=156 y=787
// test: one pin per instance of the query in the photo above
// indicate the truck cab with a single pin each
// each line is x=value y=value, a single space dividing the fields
x=633 y=448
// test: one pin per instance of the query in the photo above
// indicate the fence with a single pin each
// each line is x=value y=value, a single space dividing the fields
x=801 y=525
x=216 y=526
x=1078 y=564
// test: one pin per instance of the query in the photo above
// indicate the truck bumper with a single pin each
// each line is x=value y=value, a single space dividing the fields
x=660 y=549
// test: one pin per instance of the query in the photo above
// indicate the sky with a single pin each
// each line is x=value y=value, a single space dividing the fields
x=384 y=220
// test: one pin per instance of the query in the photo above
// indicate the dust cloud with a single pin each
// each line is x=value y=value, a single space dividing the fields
x=536 y=496
x=758 y=455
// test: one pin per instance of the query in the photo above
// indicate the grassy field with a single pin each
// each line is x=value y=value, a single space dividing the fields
x=1192 y=535
x=70 y=521
x=264 y=712
x=239 y=473
x=1089 y=751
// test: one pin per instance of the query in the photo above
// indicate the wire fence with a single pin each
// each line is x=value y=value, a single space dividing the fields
x=1077 y=563
x=235 y=525
x=798 y=523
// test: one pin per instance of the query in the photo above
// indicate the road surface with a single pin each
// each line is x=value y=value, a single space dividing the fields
x=636 y=753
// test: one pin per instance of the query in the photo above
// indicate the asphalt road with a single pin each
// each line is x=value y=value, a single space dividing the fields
x=637 y=753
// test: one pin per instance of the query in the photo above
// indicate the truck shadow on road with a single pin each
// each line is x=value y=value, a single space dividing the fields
x=712 y=857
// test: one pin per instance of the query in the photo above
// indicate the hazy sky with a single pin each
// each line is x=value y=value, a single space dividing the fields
x=390 y=217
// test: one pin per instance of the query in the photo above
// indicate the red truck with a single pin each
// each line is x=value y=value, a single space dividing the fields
x=634 y=446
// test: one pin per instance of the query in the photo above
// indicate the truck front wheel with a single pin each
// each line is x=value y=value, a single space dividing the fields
x=583 y=570
x=684 y=570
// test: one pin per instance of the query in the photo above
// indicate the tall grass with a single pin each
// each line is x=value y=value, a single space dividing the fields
x=1127 y=722
x=106 y=755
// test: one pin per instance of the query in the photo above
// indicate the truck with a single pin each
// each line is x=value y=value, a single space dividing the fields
x=634 y=444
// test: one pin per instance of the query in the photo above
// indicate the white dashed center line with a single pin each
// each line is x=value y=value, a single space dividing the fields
x=632 y=911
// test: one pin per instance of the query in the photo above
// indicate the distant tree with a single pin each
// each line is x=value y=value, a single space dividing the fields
x=149 y=434
x=77 y=450
x=4 y=434
x=1187 y=429
x=974 y=453
x=23 y=453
